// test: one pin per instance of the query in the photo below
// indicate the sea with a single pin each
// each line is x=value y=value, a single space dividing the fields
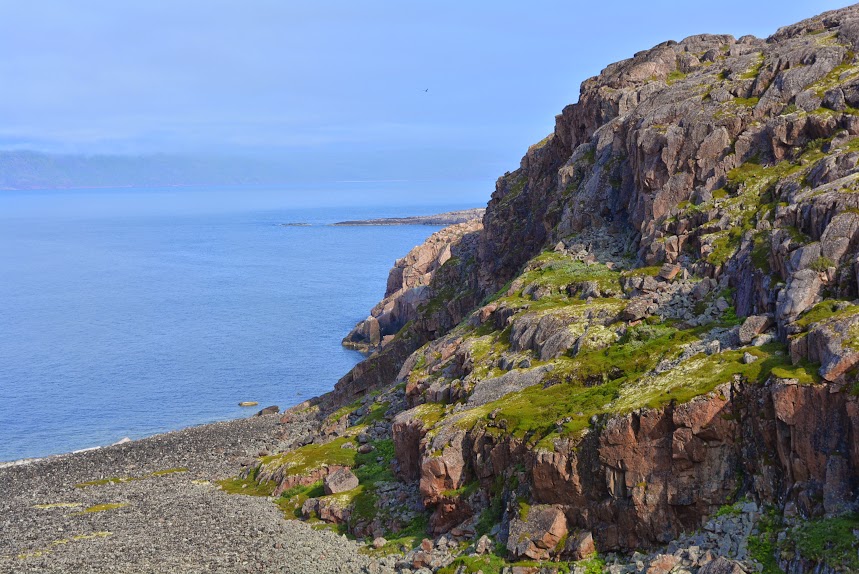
x=130 y=312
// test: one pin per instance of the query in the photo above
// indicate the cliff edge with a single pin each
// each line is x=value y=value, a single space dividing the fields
x=656 y=326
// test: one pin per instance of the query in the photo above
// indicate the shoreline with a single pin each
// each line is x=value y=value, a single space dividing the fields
x=154 y=505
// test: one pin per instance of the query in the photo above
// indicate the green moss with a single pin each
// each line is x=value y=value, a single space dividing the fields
x=429 y=413
x=828 y=541
x=821 y=264
x=524 y=509
x=247 y=486
x=825 y=310
x=761 y=252
x=291 y=500
x=463 y=491
x=804 y=372
x=748 y=102
x=312 y=456
x=595 y=565
x=103 y=481
x=651 y=271
x=487 y=564
x=730 y=510
x=559 y=271
x=674 y=76
x=102 y=507
x=840 y=74
x=753 y=72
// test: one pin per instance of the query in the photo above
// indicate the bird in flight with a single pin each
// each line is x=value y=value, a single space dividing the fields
x=426 y=90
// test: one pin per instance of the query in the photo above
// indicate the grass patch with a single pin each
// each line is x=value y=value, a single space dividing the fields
x=828 y=541
x=103 y=481
x=313 y=456
x=248 y=486
x=826 y=310
x=102 y=507
x=291 y=500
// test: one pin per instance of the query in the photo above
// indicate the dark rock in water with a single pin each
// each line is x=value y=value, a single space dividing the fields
x=274 y=409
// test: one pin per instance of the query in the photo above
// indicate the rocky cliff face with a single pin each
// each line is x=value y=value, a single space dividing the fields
x=657 y=318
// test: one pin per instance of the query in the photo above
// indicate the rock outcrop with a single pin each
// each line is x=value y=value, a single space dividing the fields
x=656 y=320
x=409 y=286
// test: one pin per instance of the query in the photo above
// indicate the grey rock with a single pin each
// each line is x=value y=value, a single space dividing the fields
x=340 y=481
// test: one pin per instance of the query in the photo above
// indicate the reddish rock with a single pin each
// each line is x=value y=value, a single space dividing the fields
x=670 y=270
x=537 y=536
x=579 y=546
x=663 y=564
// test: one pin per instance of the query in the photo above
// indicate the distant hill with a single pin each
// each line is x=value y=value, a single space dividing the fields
x=36 y=170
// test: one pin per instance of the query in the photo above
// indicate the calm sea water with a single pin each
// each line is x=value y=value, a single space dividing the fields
x=127 y=313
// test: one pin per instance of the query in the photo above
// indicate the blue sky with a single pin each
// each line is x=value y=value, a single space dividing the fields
x=334 y=88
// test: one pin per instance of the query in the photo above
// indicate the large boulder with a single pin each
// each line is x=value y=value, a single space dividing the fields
x=536 y=534
x=340 y=481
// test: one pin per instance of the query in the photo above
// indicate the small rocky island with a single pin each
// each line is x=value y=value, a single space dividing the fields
x=643 y=358
x=448 y=218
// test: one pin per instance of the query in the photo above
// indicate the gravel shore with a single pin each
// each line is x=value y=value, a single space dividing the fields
x=171 y=518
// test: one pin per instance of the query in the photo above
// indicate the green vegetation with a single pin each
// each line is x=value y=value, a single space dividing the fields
x=730 y=510
x=674 y=76
x=826 y=310
x=313 y=456
x=524 y=509
x=103 y=481
x=559 y=271
x=829 y=541
x=291 y=500
x=102 y=507
x=247 y=486
x=620 y=379
x=840 y=74
x=804 y=372
x=488 y=564
x=594 y=565
x=753 y=72
x=748 y=102
x=762 y=546
x=821 y=264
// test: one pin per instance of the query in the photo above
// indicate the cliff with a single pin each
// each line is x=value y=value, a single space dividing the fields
x=656 y=321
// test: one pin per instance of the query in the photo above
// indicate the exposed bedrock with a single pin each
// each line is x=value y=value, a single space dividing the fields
x=643 y=478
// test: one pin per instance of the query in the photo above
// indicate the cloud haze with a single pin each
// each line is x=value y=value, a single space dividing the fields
x=332 y=83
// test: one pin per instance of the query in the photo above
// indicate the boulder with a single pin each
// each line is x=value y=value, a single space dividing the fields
x=340 y=481
x=579 y=546
x=753 y=326
x=272 y=410
x=721 y=566
x=536 y=536
x=669 y=271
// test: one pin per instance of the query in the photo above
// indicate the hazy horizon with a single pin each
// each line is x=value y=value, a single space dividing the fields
x=322 y=92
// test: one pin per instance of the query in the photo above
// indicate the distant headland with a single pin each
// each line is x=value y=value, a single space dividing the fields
x=448 y=218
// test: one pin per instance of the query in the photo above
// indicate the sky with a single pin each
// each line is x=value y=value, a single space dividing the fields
x=333 y=89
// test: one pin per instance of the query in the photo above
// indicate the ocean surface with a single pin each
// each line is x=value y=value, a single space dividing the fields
x=125 y=313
